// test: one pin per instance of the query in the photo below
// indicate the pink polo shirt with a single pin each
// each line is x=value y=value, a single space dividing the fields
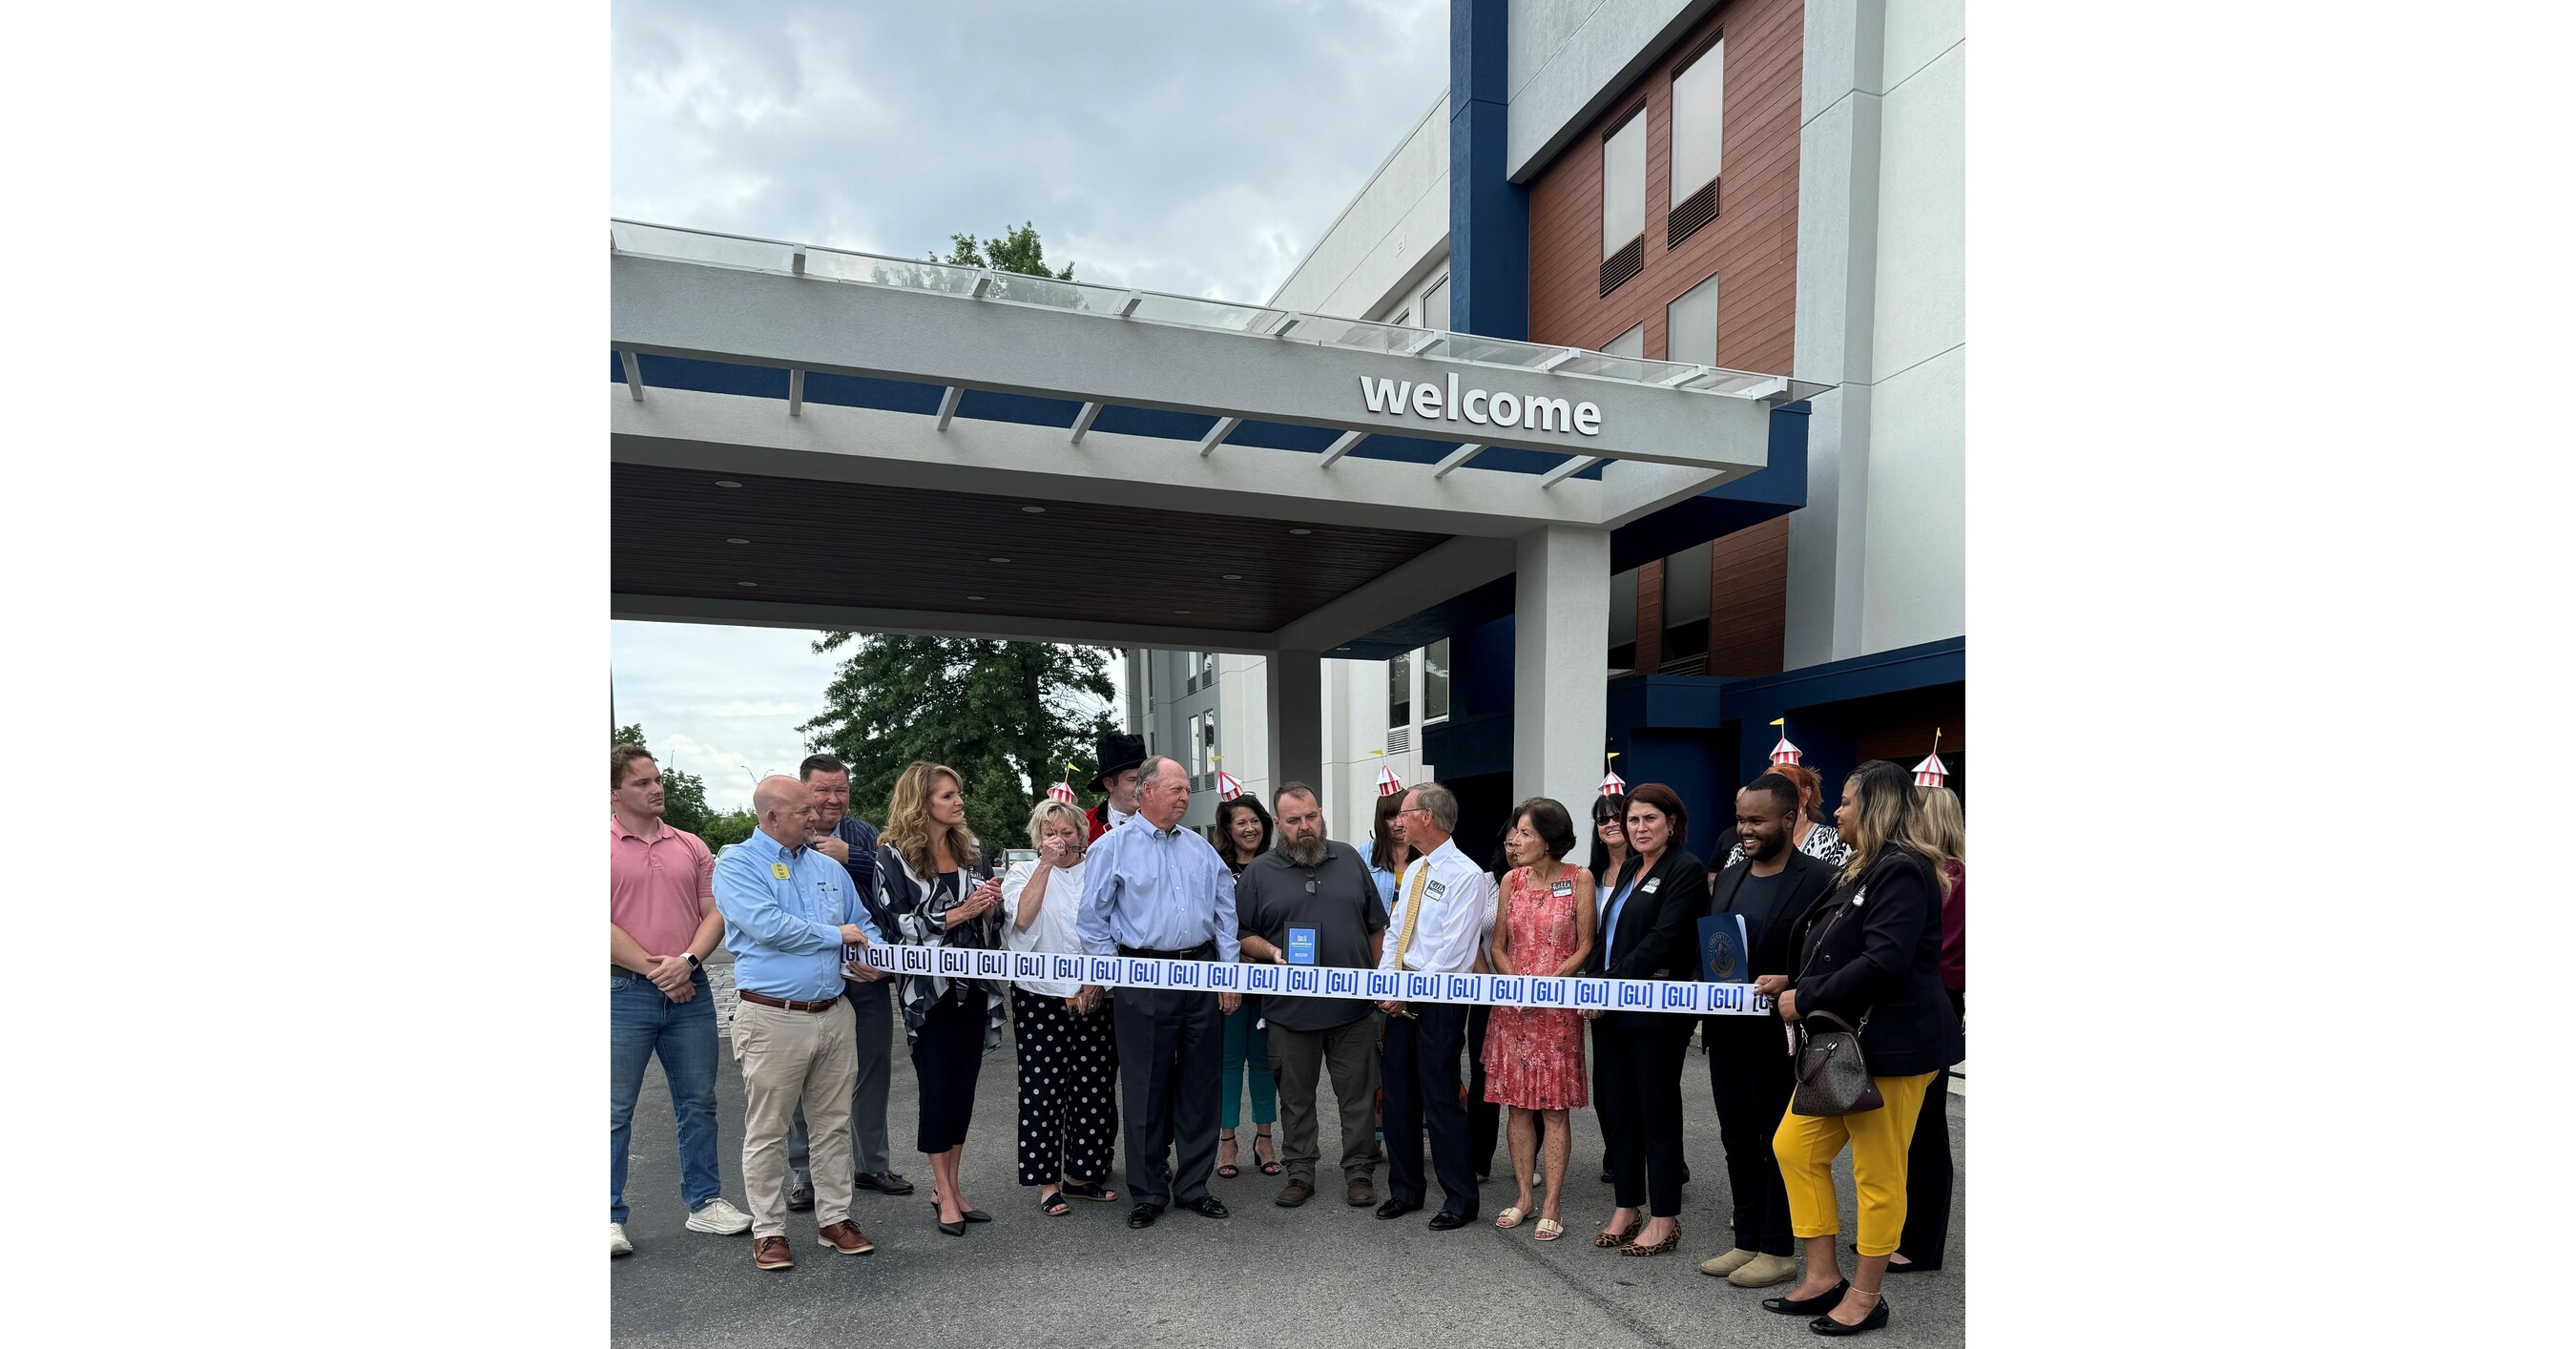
x=654 y=886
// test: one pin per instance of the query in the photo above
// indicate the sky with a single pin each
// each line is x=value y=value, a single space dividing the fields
x=1192 y=147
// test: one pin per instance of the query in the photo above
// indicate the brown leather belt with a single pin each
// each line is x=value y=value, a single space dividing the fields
x=791 y=1004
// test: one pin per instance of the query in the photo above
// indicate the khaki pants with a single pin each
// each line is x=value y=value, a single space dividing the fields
x=789 y=1058
x=1298 y=1060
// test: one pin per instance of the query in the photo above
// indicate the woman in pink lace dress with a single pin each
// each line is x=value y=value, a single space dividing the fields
x=1534 y=1056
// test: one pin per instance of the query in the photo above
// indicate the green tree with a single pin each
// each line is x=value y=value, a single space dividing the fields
x=1006 y=715
x=684 y=794
x=1018 y=251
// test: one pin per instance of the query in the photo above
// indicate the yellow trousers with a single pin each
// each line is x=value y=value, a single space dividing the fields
x=1807 y=1145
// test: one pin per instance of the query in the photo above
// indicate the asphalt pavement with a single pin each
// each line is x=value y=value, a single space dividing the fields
x=1325 y=1274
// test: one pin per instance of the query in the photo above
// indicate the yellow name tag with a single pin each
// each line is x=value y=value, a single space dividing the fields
x=778 y=869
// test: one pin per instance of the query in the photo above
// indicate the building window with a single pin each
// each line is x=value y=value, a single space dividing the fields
x=1623 y=202
x=1189 y=672
x=1197 y=762
x=1629 y=343
x=1686 y=603
x=1690 y=325
x=1435 y=680
x=1207 y=744
x=1435 y=306
x=1207 y=670
x=1623 y=621
x=1399 y=691
x=1699 y=125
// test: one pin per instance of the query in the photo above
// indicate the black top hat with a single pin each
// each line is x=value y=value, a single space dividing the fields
x=1118 y=753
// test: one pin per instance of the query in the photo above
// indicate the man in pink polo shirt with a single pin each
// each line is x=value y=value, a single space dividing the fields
x=662 y=923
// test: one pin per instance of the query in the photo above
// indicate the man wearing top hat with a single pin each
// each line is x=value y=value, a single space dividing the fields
x=1120 y=757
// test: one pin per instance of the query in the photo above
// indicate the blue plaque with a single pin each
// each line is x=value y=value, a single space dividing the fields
x=1301 y=946
x=1723 y=951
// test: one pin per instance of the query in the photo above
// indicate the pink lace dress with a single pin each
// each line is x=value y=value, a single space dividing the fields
x=1534 y=1055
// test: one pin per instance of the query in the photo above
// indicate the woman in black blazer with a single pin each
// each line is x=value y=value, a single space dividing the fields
x=1649 y=926
x=1869 y=957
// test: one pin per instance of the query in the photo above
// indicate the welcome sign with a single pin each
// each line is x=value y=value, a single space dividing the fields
x=1483 y=407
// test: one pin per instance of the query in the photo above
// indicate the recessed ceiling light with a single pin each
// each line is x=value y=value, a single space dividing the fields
x=974 y=597
x=737 y=540
x=1032 y=510
x=1234 y=576
x=747 y=584
x=1341 y=648
x=997 y=559
x=1180 y=611
x=727 y=482
x=1301 y=531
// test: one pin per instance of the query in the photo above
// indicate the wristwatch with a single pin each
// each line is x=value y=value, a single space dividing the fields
x=692 y=958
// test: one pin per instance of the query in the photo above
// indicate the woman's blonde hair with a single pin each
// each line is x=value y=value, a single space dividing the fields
x=1945 y=823
x=1886 y=813
x=1051 y=811
x=908 y=828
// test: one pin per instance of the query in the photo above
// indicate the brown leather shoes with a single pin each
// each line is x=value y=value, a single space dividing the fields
x=1294 y=1193
x=771 y=1253
x=1363 y=1194
x=844 y=1236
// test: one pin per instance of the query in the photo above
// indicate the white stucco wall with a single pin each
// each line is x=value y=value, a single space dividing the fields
x=1392 y=234
x=1877 y=559
x=1567 y=57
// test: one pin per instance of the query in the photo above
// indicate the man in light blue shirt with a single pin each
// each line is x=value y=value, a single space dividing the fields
x=789 y=912
x=1153 y=889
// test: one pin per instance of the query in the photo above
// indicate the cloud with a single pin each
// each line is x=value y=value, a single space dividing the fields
x=1192 y=147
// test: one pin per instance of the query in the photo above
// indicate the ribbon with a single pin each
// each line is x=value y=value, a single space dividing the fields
x=1323 y=981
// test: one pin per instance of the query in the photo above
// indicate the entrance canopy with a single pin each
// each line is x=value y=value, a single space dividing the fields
x=811 y=437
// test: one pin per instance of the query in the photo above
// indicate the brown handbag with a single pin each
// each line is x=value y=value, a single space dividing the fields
x=1833 y=1078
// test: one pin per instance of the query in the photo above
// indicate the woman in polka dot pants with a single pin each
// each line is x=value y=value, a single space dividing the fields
x=1068 y=1052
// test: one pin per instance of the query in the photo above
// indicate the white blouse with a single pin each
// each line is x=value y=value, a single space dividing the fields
x=1052 y=931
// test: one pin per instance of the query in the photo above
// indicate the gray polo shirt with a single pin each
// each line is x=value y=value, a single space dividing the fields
x=1272 y=896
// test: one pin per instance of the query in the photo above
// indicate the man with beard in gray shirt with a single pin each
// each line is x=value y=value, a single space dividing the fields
x=1310 y=901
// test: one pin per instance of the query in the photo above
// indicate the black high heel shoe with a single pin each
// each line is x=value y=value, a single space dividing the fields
x=956 y=1229
x=1876 y=1320
x=1807 y=1306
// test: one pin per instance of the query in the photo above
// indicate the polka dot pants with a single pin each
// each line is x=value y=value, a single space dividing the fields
x=1068 y=1090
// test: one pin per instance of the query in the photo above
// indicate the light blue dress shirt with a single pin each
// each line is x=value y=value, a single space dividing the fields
x=1385 y=880
x=785 y=931
x=1156 y=890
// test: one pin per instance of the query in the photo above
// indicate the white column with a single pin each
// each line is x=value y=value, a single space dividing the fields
x=1560 y=664
x=1296 y=688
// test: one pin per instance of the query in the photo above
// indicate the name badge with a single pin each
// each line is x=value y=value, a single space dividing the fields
x=1652 y=886
x=1301 y=946
x=1435 y=890
x=1561 y=889
x=778 y=869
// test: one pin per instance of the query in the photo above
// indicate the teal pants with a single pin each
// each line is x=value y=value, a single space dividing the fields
x=1245 y=1045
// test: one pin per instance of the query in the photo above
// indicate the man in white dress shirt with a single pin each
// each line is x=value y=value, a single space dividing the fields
x=1441 y=903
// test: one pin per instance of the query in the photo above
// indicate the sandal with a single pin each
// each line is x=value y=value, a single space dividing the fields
x=1549 y=1229
x=1225 y=1138
x=1607 y=1240
x=1089 y=1189
x=1269 y=1166
x=1053 y=1205
x=1511 y=1217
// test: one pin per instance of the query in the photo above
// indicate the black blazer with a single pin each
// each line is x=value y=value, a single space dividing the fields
x=1873 y=948
x=1771 y=930
x=1658 y=934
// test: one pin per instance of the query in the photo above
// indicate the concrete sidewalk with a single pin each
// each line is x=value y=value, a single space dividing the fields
x=1325 y=1274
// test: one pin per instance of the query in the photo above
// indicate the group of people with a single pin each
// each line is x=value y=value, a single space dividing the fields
x=1854 y=924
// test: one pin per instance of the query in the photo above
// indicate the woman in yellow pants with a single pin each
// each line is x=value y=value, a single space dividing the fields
x=1870 y=955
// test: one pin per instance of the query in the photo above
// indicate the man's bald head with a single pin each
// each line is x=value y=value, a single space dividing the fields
x=785 y=807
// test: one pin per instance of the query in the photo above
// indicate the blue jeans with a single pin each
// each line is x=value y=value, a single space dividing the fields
x=640 y=1022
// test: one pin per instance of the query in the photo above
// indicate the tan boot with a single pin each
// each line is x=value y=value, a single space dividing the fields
x=1764 y=1270
x=1719 y=1266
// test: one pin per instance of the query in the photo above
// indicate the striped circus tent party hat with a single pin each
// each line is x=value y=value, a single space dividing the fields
x=1611 y=783
x=1930 y=773
x=1063 y=791
x=1226 y=787
x=1388 y=784
x=1784 y=752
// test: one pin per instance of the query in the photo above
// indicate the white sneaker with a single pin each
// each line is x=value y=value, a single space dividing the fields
x=617 y=1242
x=721 y=1218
